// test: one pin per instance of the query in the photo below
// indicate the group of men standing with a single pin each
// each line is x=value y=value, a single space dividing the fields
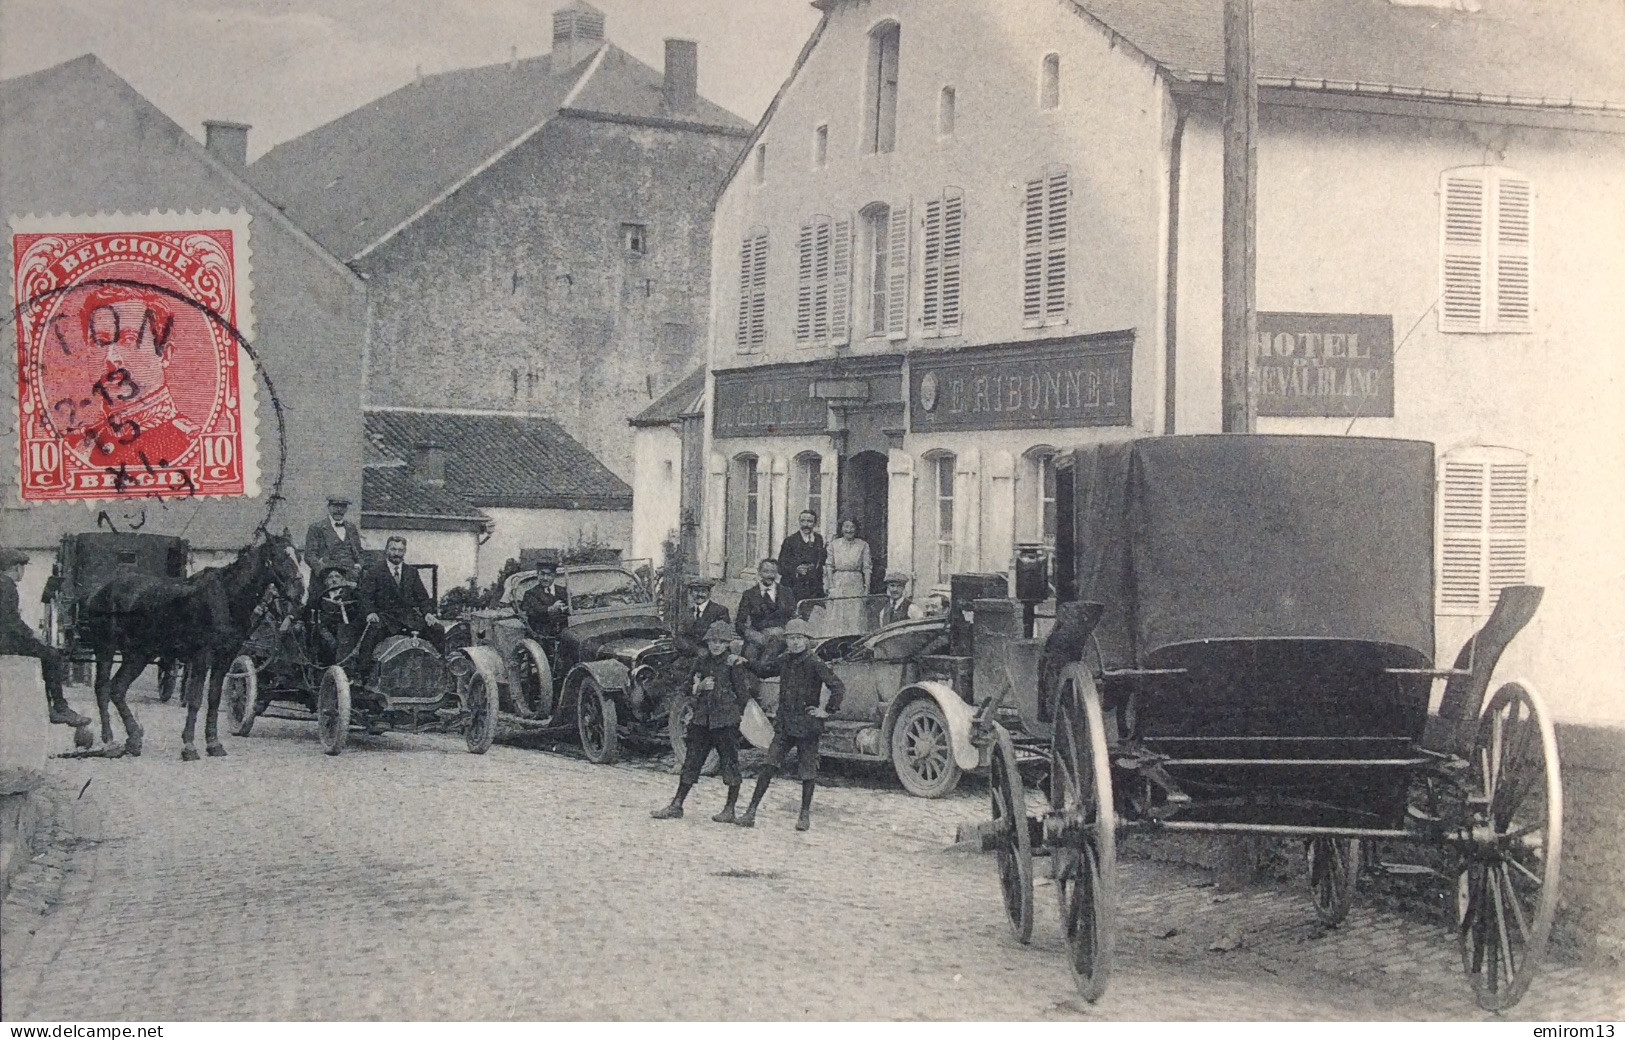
x=390 y=595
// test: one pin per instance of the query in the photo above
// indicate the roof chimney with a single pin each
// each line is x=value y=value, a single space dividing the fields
x=682 y=74
x=227 y=142
x=578 y=31
x=429 y=465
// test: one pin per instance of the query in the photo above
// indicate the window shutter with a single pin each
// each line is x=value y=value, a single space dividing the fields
x=758 y=302
x=804 y=287
x=1462 y=276
x=1461 y=542
x=953 y=245
x=747 y=268
x=1032 y=255
x=1512 y=255
x=931 y=270
x=1508 y=527
x=1059 y=197
x=840 y=285
x=897 y=272
x=821 y=258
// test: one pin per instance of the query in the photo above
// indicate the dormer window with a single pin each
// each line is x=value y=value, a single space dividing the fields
x=880 y=128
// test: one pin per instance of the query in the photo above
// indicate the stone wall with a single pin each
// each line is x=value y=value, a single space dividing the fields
x=1591 y=909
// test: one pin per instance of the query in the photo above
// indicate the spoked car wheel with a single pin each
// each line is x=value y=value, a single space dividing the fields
x=1081 y=807
x=1507 y=892
x=921 y=752
x=596 y=721
x=1334 y=870
x=532 y=688
x=333 y=710
x=1014 y=851
x=242 y=691
x=480 y=697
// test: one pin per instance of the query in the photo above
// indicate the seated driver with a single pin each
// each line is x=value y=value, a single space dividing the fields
x=335 y=615
x=394 y=601
x=546 y=607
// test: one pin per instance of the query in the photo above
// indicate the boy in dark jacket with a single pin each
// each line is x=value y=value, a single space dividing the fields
x=721 y=687
x=800 y=721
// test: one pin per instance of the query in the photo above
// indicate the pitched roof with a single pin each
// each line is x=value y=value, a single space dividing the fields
x=503 y=459
x=394 y=491
x=1507 y=51
x=684 y=398
x=356 y=180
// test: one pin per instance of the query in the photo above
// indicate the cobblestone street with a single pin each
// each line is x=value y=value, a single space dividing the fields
x=407 y=879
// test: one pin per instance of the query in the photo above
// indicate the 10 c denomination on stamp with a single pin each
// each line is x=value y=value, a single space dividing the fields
x=132 y=380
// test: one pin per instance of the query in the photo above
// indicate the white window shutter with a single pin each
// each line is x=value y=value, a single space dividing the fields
x=953 y=246
x=931 y=269
x=1032 y=255
x=1507 y=527
x=897 y=272
x=746 y=269
x=840 y=284
x=1462 y=234
x=1512 y=253
x=1462 y=537
x=821 y=265
x=804 y=286
x=758 y=302
x=1058 y=204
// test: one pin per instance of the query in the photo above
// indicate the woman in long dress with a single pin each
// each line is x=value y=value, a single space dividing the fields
x=847 y=569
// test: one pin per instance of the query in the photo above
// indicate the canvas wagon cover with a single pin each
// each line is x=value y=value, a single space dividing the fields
x=1250 y=537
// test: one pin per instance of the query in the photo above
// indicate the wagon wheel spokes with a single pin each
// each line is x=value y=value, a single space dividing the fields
x=1334 y=868
x=1507 y=891
x=1086 y=815
x=1014 y=851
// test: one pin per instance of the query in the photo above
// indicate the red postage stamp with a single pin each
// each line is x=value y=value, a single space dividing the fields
x=132 y=380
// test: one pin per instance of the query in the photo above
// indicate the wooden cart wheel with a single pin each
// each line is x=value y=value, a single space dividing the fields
x=596 y=721
x=532 y=688
x=922 y=751
x=1334 y=870
x=333 y=709
x=1015 y=849
x=480 y=697
x=242 y=691
x=1508 y=889
x=1085 y=861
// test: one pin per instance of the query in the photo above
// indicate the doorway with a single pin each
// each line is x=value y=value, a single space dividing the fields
x=864 y=495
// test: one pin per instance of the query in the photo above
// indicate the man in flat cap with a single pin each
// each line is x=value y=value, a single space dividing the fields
x=17 y=639
x=898 y=607
x=335 y=541
x=702 y=613
x=546 y=607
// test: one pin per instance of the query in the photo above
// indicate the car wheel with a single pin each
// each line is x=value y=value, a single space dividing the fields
x=333 y=710
x=482 y=711
x=921 y=752
x=596 y=721
x=531 y=690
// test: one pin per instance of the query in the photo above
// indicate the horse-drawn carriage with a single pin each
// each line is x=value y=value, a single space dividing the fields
x=309 y=663
x=1245 y=645
x=84 y=563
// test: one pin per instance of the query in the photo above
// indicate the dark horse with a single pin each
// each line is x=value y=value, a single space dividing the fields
x=201 y=620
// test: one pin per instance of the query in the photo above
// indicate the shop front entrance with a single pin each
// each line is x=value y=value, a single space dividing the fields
x=863 y=497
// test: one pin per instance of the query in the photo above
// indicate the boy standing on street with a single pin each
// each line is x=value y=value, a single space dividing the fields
x=800 y=721
x=721 y=687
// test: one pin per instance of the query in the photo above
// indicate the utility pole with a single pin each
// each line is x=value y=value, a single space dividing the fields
x=1240 y=221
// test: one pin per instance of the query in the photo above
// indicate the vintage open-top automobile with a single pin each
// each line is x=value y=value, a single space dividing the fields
x=607 y=674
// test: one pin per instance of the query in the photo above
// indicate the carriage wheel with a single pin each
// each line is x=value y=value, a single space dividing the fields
x=242 y=690
x=480 y=697
x=596 y=721
x=333 y=709
x=1508 y=889
x=1015 y=849
x=1334 y=870
x=922 y=752
x=1085 y=861
x=532 y=688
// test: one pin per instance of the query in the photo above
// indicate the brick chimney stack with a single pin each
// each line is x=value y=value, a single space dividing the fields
x=682 y=75
x=578 y=32
x=227 y=142
x=429 y=465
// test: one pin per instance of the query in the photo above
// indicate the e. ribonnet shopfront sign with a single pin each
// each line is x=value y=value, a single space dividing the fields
x=1078 y=381
x=1325 y=364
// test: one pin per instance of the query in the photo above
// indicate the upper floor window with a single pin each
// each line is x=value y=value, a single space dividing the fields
x=821 y=145
x=824 y=282
x=751 y=333
x=1046 y=208
x=1049 y=82
x=1484 y=522
x=1485 y=267
x=635 y=238
x=944 y=250
x=946 y=113
x=885 y=270
x=880 y=117
x=761 y=163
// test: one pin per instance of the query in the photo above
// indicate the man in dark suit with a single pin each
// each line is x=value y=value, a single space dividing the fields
x=801 y=556
x=334 y=542
x=702 y=613
x=546 y=607
x=765 y=608
x=898 y=607
x=394 y=601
